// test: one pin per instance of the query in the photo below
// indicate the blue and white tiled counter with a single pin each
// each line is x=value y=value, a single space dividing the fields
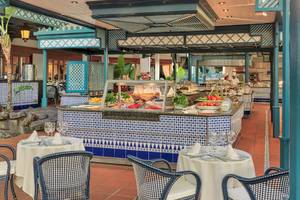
x=146 y=135
x=24 y=94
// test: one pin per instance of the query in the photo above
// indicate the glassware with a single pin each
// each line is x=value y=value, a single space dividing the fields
x=61 y=127
x=49 y=128
x=217 y=143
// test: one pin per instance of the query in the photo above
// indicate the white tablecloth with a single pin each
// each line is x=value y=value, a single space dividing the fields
x=25 y=155
x=212 y=172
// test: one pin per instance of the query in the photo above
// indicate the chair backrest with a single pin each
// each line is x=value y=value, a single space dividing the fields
x=63 y=176
x=152 y=183
x=5 y=174
x=273 y=186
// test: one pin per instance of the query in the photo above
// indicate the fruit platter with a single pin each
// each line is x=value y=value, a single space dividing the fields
x=210 y=98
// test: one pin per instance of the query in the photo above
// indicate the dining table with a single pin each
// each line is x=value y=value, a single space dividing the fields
x=212 y=169
x=27 y=151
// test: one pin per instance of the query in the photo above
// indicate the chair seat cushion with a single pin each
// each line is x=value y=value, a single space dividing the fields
x=181 y=188
x=3 y=168
x=238 y=193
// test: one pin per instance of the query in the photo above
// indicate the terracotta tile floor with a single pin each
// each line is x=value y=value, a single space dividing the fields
x=112 y=182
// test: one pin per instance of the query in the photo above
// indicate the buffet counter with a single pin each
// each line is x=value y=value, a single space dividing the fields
x=262 y=94
x=145 y=134
x=24 y=93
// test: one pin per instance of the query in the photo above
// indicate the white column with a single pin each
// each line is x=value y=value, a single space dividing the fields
x=84 y=57
x=157 y=66
x=145 y=64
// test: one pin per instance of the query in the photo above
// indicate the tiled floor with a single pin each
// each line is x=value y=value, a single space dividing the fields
x=112 y=182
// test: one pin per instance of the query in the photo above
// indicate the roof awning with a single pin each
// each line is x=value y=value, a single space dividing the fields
x=141 y=16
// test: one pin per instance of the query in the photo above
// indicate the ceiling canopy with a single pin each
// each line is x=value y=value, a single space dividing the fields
x=144 y=16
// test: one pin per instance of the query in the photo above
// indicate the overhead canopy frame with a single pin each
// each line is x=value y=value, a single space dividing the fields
x=256 y=37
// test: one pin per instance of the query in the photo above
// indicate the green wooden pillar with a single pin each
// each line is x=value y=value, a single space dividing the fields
x=174 y=60
x=276 y=108
x=106 y=61
x=45 y=70
x=295 y=101
x=190 y=61
x=197 y=74
x=284 y=140
x=271 y=88
x=247 y=65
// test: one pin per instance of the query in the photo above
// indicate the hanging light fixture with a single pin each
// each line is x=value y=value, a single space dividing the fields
x=25 y=32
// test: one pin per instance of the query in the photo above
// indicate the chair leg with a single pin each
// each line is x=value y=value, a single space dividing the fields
x=12 y=187
x=6 y=188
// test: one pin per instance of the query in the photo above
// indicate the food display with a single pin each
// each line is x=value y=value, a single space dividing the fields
x=211 y=98
x=167 y=96
x=140 y=95
x=95 y=100
x=180 y=101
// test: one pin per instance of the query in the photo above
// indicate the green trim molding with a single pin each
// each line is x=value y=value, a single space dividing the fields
x=67 y=37
x=40 y=19
x=268 y=5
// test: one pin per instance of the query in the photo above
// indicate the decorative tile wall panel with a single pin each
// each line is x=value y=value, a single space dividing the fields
x=147 y=139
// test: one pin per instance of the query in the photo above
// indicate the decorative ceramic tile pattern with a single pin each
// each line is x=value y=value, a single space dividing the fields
x=145 y=139
x=25 y=93
x=70 y=43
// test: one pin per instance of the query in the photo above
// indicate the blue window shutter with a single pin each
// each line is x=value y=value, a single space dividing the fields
x=77 y=77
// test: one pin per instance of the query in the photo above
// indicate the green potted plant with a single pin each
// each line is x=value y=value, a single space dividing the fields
x=123 y=71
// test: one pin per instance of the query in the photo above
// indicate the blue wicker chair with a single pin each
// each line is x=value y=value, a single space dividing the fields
x=63 y=176
x=158 y=184
x=7 y=170
x=274 y=185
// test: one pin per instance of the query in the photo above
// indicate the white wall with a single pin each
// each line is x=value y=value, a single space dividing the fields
x=145 y=64
x=37 y=60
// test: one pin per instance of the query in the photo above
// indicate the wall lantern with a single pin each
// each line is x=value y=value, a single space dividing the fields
x=25 y=32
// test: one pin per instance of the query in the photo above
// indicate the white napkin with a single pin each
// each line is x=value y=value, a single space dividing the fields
x=57 y=139
x=231 y=153
x=34 y=137
x=195 y=149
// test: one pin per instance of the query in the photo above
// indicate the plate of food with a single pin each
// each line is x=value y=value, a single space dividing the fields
x=210 y=98
x=95 y=101
x=208 y=105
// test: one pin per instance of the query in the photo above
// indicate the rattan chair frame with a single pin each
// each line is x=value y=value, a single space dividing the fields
x=271 y=173
x=39 y=178
x=174 y=176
